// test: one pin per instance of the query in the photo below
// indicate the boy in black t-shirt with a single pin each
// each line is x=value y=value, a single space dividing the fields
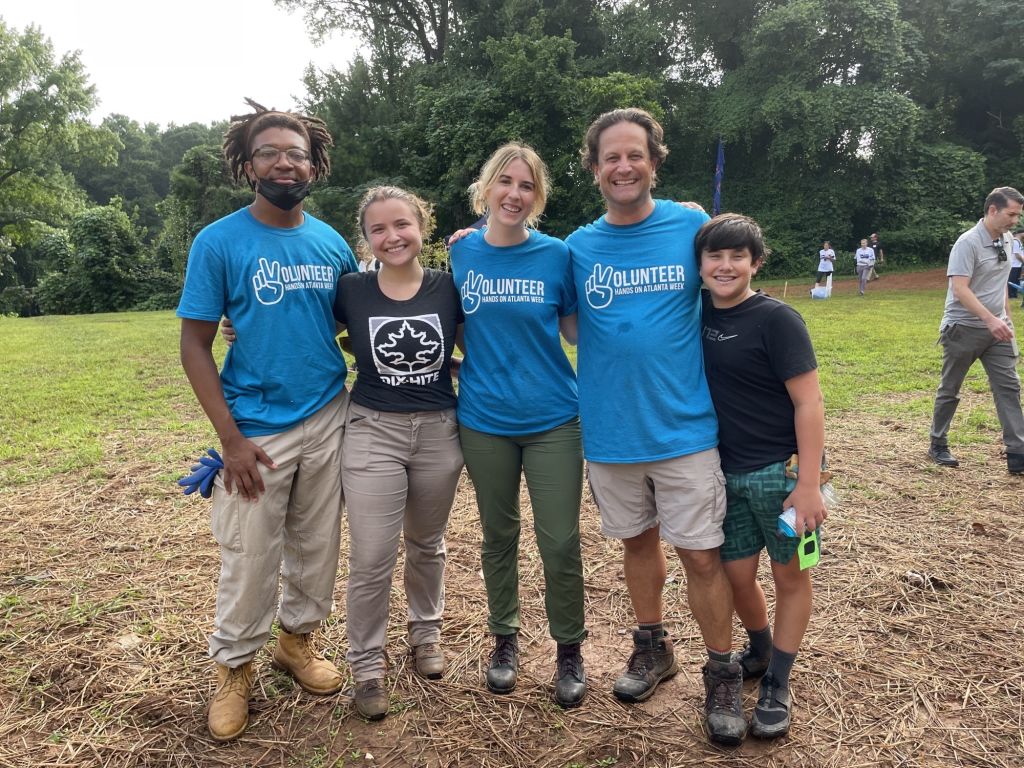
x=763 y=378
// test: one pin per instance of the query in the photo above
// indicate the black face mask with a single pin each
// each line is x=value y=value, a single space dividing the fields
x=284 y=196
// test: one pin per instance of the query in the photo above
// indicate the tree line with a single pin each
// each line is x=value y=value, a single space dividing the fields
x=838 y=117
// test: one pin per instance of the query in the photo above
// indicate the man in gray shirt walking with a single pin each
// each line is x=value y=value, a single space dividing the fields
x=976 y=325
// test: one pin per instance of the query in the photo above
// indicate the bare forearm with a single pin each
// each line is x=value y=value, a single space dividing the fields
x=203 y=376
x=201 y=370
x=809 y=423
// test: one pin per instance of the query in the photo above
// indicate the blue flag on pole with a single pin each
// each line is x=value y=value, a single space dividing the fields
x=716 y=200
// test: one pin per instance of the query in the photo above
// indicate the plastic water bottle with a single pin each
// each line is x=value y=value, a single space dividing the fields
x=786 y=524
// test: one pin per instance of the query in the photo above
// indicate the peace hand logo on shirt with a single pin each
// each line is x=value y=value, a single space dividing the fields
x=471 y=292
x=599 y=287
x=267 y=283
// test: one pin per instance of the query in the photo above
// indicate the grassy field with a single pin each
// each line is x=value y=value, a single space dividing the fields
x=67 y=382
x=107 y=584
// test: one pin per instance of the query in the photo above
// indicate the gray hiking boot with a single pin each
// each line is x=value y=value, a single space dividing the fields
x=723 y=706
x=371 y=698
x=753 y=666
x=652 y=661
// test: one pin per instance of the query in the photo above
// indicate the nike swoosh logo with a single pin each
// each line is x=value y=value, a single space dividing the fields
x=726 y=338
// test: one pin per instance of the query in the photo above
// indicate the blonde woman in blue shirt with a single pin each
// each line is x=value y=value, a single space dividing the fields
x=518 y=410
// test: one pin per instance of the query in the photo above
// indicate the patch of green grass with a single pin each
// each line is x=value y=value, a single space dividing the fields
x=881 y=344
x=72 y=386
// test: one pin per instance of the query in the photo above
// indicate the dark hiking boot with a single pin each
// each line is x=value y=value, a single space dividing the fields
x=723 y=706
x=571 y=680
x=753 y=666
x=504 y=667
x=940 y=455
x=1015 y=463
x=652 y=661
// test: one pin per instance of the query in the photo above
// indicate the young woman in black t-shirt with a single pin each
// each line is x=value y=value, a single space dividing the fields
x=401 y=460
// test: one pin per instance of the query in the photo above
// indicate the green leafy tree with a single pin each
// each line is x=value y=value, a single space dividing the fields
x=104 y=269
x=44 y=134
x=201 y=192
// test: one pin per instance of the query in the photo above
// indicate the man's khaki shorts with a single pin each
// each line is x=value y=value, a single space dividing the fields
x=685 y=495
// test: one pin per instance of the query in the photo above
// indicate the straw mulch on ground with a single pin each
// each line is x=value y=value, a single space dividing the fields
x=107 y=595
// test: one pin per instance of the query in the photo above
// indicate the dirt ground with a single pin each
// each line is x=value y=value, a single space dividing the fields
x=887 y=281
x=912 y=658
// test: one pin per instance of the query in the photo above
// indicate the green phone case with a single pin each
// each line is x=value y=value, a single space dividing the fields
x=809 y=549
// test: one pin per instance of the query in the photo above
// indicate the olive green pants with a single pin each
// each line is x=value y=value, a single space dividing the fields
x=553 y=464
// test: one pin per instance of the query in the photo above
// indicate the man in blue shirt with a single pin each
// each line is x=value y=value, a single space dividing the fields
x=650 y=434
x=277 y=406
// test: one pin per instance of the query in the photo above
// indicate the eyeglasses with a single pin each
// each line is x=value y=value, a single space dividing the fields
x=268 y=154
x=1000 y=250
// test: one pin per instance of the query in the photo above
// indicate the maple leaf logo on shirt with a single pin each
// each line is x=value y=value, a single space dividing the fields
x=410 y=345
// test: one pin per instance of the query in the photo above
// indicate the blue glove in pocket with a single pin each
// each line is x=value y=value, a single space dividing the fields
x=203 y=474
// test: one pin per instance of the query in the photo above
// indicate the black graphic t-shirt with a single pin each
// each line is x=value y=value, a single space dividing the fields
x=402 y=348
x=750 y=352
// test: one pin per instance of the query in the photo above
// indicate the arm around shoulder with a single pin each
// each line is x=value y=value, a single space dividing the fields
x=569 y=328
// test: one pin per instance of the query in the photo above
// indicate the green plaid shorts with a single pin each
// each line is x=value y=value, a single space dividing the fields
x=753 y=505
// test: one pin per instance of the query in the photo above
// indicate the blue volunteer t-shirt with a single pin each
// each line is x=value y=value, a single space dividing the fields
x=516 y=379
x=643 y=395
x=277 y=286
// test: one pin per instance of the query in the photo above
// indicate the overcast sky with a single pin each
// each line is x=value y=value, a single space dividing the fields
x=182 y=61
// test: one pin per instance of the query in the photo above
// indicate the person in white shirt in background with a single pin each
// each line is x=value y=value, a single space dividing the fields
x=826 y=263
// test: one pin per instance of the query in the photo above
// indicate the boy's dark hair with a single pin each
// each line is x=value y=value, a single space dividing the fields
x=655 y=135
x=237 y=151
x=732 y=230
x=1000 y=197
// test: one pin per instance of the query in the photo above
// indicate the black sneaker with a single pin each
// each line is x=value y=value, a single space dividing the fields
x=771 y=715
x=753 y=666
x=504 y=667
x=571 y=680
x=723 y=706
x=940 y=455
x=652 y=661
x=1015 y=463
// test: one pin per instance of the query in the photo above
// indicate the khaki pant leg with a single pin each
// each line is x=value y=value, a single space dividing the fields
x=376 y=484
x=312 y=530
x=251 y=537
x=434 y=472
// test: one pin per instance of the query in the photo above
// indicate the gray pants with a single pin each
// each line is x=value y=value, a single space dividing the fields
x=961 y=346
x=400 y=471
x=291 y=533
x=863 y=273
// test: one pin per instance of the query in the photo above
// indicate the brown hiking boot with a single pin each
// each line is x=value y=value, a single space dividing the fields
x=296 y=655
x=652 y=661
x=429 y=658
x=229 y=707
x=371 y=698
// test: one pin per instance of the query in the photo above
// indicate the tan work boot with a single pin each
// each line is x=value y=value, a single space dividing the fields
x=296 y=655
x=229 y=707
x=429 y=659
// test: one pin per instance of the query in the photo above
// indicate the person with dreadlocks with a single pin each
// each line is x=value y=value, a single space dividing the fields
x=278 y=406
